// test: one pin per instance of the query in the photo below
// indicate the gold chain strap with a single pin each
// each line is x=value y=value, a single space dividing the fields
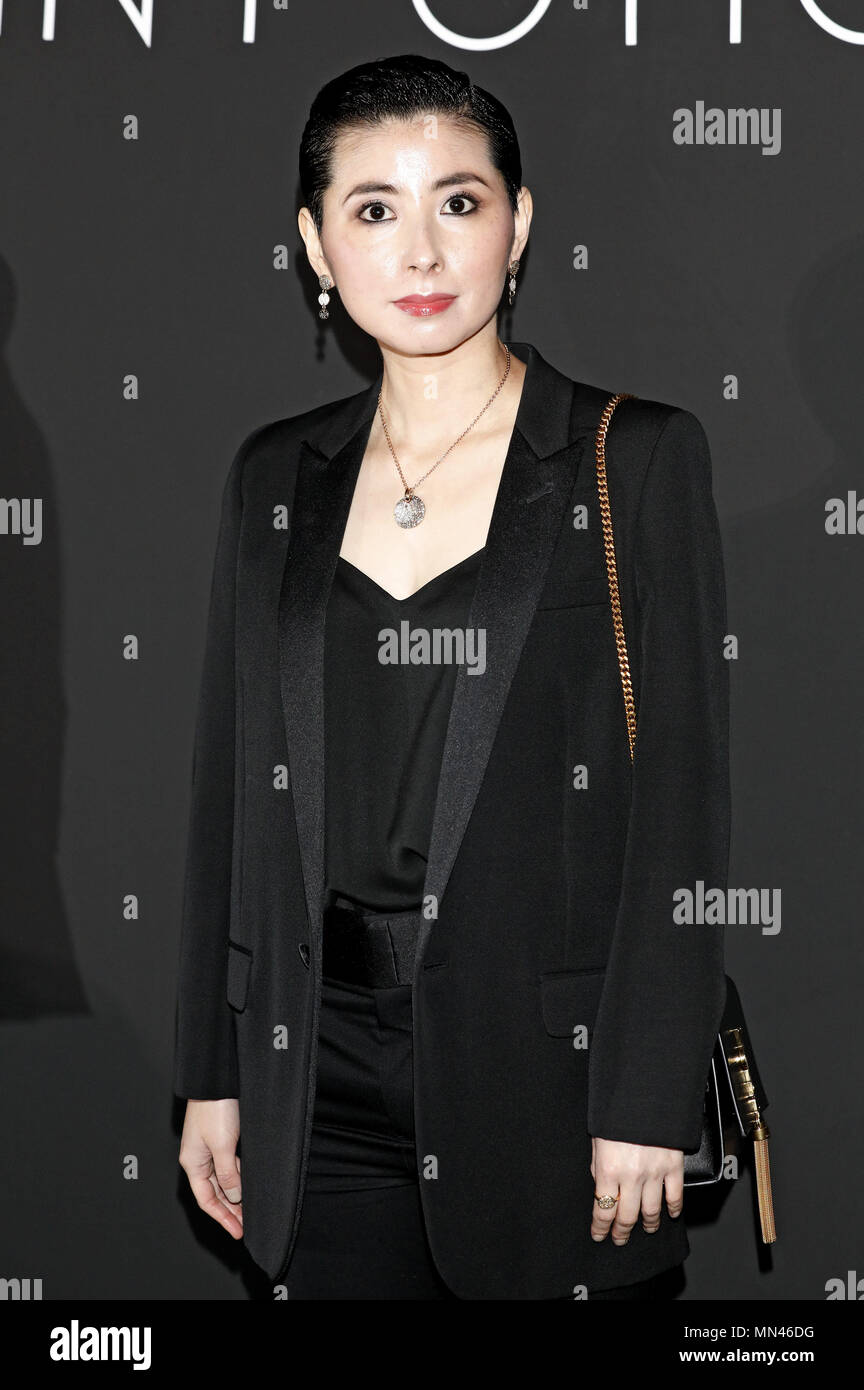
x=612 y=568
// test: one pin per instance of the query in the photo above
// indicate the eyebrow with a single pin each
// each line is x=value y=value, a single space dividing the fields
x=461 y=176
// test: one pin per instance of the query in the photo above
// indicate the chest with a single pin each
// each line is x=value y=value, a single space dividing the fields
x=459 y=497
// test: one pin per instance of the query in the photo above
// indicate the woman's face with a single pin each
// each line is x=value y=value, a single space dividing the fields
x=418 y=209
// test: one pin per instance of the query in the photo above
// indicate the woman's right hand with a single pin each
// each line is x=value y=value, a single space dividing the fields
x=208 y=1156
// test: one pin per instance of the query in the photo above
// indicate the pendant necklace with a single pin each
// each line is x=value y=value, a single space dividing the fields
x=411 y=509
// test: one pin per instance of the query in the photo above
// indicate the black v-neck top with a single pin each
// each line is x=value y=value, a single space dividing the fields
x=384 y=730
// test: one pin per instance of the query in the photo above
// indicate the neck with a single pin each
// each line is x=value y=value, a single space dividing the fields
x=431 y=398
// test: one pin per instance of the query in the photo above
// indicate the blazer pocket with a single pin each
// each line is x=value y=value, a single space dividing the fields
x=239 y=966
x=569 y=999
x=239 y=806
x=574 y=593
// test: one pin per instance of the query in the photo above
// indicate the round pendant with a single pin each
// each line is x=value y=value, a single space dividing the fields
x=409 y=511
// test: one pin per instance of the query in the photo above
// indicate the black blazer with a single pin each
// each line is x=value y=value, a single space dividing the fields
x=554 y=900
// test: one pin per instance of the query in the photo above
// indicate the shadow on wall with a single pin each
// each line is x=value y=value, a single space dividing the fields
x=38 y=971
x=797 y=779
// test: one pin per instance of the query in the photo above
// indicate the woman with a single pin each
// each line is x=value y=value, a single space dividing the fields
x=430 y=977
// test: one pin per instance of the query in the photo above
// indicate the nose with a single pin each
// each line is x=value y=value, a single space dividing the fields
x=424 y=264
x=423 y=253
x=424 y=261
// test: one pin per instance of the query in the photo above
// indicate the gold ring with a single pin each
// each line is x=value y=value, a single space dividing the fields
x=605 y=1201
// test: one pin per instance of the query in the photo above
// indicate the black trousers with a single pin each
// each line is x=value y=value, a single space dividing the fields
x=362 y=1233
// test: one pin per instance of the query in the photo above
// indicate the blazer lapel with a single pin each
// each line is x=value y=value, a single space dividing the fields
x=554 y=419
x=322 y=501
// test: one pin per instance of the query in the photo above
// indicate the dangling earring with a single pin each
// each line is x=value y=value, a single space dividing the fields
x=512 y=267
x=324 y=299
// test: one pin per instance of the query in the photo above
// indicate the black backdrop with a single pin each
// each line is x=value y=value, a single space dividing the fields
x=737 y=293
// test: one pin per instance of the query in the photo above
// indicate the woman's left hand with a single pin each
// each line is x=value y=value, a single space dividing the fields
x=637 y=1175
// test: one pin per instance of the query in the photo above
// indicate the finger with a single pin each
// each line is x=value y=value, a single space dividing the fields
x=652 y=1204
x=605 y=1184
x=232 y=1208
x=198 y=1164
x=674 y=1185
x=227 y=1172
x=627 y=1211
x=205 y=1195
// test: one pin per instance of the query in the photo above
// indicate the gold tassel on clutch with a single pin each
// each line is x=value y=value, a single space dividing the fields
x=748 y=1110
x=763 y=1185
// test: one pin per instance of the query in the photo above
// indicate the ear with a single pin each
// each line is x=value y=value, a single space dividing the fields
x=522 y=222
x=312 y=242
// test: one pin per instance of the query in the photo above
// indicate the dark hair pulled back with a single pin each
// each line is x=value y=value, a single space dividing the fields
x=401 y=88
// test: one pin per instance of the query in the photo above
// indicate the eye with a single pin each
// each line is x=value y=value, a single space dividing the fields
x=462 y=198
x=375 y=205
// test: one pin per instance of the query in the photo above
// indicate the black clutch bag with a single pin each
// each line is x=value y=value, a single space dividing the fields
x=735 y=1098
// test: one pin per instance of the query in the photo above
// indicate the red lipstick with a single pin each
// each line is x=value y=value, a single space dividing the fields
x=422 y=305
